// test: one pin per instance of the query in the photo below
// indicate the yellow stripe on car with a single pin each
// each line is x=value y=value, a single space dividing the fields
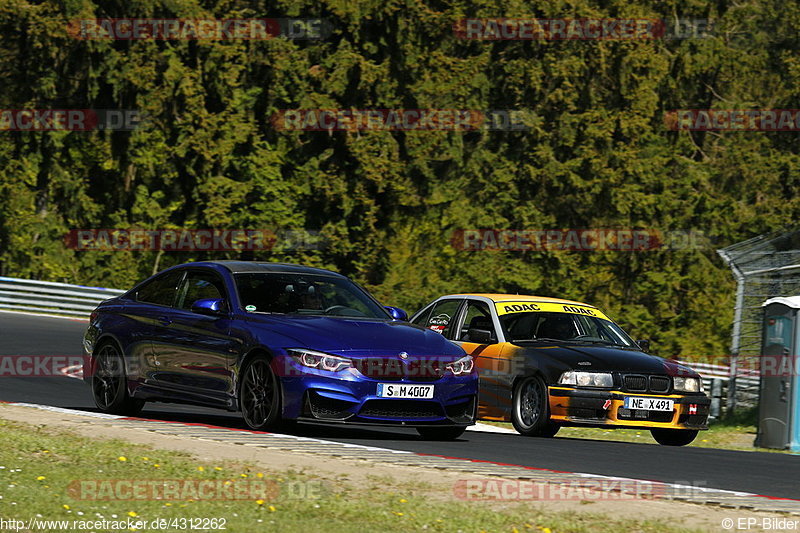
x=506 y=308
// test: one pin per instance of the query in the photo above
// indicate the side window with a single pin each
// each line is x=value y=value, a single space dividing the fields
x=443 y=316
x=199 y=285
x=478 y=316
x=162 y=290
x=422 y=318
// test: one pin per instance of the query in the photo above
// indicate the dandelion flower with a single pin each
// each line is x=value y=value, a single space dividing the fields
x=122 y=458
x=272 y=509
x=403 y=500
x=40 y=478
x=132 y=514
x=201 y=469
x=260 y=502
x=65 y=506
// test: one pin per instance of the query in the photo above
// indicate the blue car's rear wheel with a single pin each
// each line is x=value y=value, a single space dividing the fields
x=109 y=383
x=259 y=394
x=530 y=412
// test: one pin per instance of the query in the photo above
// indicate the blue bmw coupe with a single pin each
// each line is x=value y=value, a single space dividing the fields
x=280 y=343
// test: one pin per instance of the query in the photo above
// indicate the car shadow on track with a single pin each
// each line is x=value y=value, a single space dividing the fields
x=199 y=415
x=234 y=421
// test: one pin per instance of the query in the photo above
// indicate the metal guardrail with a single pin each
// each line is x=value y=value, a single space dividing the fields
x=716 y=382
x=53 y=298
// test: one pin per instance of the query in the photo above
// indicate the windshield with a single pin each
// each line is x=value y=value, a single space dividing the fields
x=305 y=294
x=533 y=326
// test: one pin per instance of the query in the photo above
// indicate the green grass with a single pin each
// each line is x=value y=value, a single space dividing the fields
x=39 y=463
x=734 y=432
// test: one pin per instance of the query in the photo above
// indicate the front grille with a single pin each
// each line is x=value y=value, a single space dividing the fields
x=461 y=412
x=659 y=383
x=640 y=383
x=643 y=415
x=328 y=408
x=695 y=420
x=393 y=369
x=635 y=383
x=401 y=409
x=582 y=412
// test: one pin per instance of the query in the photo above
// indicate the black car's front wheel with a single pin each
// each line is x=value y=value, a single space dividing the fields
x=259 y=395
x=110 y=384
x=441 y=433
x=530 y=412
x=674 y=437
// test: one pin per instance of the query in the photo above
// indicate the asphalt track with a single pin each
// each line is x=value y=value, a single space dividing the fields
x=771 y=474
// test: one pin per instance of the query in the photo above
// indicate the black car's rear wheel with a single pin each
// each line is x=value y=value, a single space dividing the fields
x=259 y=395
x=441 y=433
x=110 y=385
x=530 y=411
x=674 y=437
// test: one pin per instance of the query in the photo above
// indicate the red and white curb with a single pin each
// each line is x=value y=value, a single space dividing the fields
x=498 y=471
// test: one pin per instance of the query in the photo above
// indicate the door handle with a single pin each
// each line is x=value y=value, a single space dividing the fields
x=165 y=320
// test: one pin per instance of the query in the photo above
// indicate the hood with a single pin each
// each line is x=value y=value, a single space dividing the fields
x=354 y=336
x=606 y=359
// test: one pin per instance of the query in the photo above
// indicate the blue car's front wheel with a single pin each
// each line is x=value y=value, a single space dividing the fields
x=259 y=394
x=109 y=383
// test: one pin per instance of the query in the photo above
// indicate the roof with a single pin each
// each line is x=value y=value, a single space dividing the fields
x=239 y=267
x=788 y=301
x=522 y=298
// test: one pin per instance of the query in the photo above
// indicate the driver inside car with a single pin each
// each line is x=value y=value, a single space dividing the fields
x=560 y=327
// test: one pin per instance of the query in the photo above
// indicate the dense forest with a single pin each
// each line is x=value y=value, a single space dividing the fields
x=595 y=150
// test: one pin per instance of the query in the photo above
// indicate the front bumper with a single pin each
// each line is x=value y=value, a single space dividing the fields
x=348 y=396
x=585 y=407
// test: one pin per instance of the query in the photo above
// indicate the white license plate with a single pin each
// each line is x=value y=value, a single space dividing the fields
x=648 y=404
x=396 y=390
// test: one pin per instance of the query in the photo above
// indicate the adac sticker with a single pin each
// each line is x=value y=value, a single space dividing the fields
x=506 y=308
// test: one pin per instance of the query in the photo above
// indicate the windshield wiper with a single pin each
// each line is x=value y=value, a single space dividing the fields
x=543 y=339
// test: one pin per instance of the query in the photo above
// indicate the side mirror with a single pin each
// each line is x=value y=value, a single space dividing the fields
x=209 y=306
x=397 y=313
x=481 y=336
x=644 y=345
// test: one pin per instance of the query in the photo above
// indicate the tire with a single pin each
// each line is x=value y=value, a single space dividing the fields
x=530 y=409
x=110 y=385
x=259 y=395
x=674 y=437
x=441 y=433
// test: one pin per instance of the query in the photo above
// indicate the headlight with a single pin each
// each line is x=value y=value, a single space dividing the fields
x=687 y=384
x=320 y=360
x=587 y=379
x=462 y=366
